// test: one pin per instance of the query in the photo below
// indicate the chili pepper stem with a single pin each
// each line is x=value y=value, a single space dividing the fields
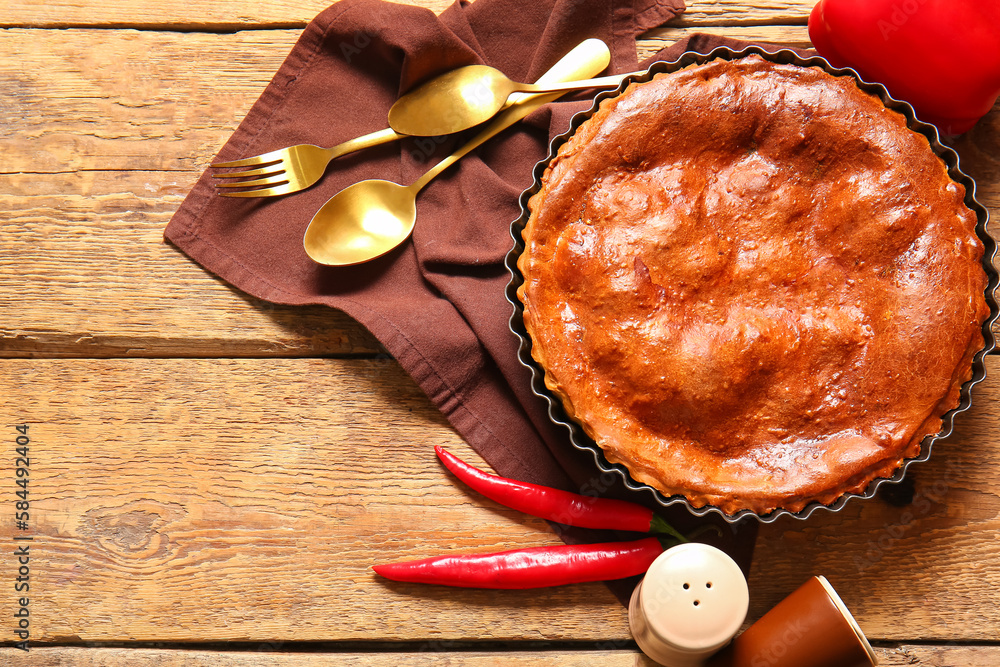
x=659 y=525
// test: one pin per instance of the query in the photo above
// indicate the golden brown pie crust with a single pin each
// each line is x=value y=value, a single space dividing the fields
x=752 y=284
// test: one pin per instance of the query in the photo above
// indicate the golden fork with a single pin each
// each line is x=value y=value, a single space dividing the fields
x=293 y=168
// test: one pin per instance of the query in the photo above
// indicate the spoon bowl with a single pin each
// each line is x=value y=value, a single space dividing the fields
x=371 y=218
x=468 y=96
x=452 y=102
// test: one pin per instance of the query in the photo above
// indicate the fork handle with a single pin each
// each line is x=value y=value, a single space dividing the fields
x=365 y=141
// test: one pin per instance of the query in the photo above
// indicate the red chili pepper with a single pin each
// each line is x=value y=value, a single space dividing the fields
x=563 y=507
x=536 y=567
x=941 y=56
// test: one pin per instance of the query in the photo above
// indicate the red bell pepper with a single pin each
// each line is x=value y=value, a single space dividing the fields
x=941 y=56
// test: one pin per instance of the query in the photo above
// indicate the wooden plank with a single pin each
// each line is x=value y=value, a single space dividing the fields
x=85 y=272
x=741 y=12
x=119 y=142
x=234 y=15
x=430 y=654
x=164 y=14
x=785 y=35
x=80 y=100
x=940 y=656
x=435 y=654
x=244 y=500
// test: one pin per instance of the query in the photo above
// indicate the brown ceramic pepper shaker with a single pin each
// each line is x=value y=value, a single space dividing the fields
x=810 y=628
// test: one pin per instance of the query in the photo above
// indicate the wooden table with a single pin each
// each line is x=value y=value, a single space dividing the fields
x=211 y=476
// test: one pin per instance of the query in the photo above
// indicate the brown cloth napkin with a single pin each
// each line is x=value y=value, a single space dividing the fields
x=436 y=303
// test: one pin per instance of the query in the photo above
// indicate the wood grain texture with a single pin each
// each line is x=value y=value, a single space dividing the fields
x=940 y=656
x=80 y=100
x=266 y=656
x=433 y=655
x=84 y=271
x=244 y=500
x=198 y=497
x=164 y=14
x=234 y=15
x=101 y=148
x=785 y=35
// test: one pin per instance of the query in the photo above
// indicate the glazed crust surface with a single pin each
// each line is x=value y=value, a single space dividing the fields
x=752 y=285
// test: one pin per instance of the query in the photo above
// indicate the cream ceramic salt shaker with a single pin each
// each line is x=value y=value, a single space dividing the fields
x=691 y=603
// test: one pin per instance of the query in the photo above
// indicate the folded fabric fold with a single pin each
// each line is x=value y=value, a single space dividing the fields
x=436 y=303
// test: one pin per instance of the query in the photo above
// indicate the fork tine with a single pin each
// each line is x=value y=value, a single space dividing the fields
x=263 y=171
x=257 y=160
x=272 y=180
x=266 y=192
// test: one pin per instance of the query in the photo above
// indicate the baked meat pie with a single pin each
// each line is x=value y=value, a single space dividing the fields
x=752 y=284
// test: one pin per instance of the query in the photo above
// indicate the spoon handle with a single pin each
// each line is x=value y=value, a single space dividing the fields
x=587 y=59
x=602 y=82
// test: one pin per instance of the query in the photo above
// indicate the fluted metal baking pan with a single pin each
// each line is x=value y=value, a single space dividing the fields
x=583 y=442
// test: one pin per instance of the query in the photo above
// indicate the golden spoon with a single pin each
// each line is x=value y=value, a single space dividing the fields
x=468 y=96
x=370 y=218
